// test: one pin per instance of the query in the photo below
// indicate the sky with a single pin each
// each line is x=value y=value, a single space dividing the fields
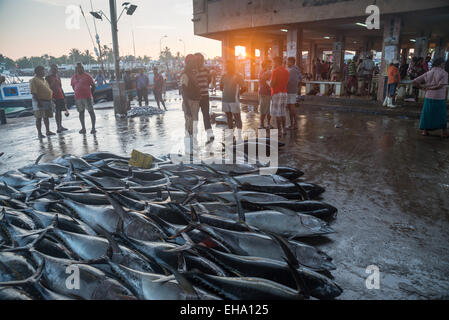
x=53 y=27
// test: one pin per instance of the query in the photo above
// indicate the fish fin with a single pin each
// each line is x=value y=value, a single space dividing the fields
x=183 y=282
x=190 y=227
x=293 y=265
x=164 y=279
x=302 y=191
x=119 y=229
x=229 y=178
x=240 y=212
x=182 y=266
x=194 y=215
x=130 y=172
x=39 y=158
x=113 y=245
x=29 y=281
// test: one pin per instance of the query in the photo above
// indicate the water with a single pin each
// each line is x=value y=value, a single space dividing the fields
x=65 y=82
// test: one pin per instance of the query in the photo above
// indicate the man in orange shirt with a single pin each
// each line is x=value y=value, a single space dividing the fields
x=393 y=81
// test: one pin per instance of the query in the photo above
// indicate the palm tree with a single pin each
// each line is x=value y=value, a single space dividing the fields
x=87 y=57
x=75 y=55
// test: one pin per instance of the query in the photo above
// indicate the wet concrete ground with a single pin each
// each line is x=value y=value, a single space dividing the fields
x=391 y=185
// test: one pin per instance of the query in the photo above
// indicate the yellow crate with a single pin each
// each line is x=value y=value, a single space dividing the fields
x=141 y=160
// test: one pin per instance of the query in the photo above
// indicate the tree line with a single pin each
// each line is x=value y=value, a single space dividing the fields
x=74 y=56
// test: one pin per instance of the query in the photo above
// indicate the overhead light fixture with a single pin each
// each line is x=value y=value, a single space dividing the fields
x=131 y=9
x=361 y=24
x=284 y=30
x=327 y=37
x=412 y=40
x=97 y=15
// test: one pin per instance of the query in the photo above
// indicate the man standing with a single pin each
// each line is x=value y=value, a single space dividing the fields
x=83 y=85
x=393 y=81
x=158 y=88
x=129 y=88
x=232 y=85
x=42 y=101
x=142 y=88
x=191 y=102
x=367 y=72
x=58 y=96
x=203 y=77
x=292 y=90
x=265 y=94
x=279 y=96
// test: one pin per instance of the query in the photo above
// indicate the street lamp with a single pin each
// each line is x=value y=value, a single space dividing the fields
x=184 y=46
x=118 y=87
x=160 y=42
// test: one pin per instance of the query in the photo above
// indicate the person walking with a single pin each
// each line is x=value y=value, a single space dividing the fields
x=352 y=76
x=393 y=81
x=58 y=97
x=204 y=78
x=42 y=101
x=279 y=96
x=292 y=90
x=158 y=88
x=100 y=79
x=434 y=114
x=265 y=94
x=142 y=87
x=232 y=85
x=191 y=96
x=83 y=85
x=213 y=74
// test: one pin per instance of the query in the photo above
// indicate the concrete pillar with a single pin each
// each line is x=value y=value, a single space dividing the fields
x=390 y=50
x=338 y=52
x=227 y=49
x=421 y=47
x=252 y=59
x=440 y=49
x=404 y=55
x=277 y=48
x=295 y=44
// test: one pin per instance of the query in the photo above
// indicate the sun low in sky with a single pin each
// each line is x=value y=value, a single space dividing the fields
x=38 y=27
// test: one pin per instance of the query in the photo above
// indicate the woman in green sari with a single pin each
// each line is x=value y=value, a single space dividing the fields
x=434 y=113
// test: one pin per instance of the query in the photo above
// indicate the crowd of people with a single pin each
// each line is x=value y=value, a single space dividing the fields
x=48 y=97
x=278 y=89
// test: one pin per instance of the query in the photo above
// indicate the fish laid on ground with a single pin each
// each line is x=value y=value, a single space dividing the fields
x=174 y=231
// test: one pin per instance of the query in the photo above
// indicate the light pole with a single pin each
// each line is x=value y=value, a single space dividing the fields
x=184 y=46
x=160 y=43
x=118 y=87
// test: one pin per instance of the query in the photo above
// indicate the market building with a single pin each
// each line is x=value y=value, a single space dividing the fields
x=307 y=29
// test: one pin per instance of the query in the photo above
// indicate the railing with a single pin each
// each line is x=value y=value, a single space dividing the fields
x=325 y=87
x=406 y=88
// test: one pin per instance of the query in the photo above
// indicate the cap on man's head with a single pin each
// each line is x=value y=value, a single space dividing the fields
x=38 y=69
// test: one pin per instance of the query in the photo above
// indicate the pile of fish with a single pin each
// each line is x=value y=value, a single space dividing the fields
x=92 y=227
x=143 y=111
